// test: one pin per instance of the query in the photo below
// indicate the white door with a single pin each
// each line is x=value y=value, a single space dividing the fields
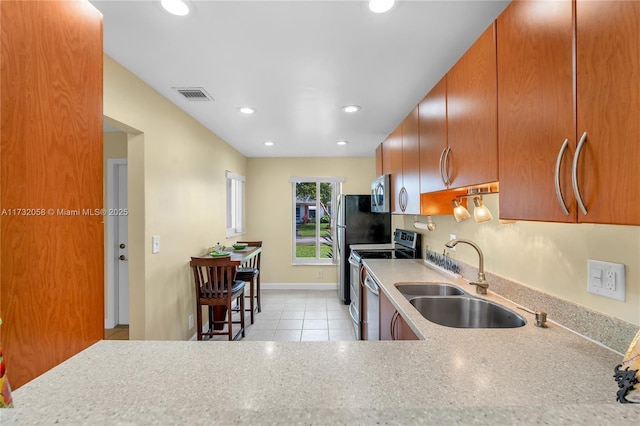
x=122 y=249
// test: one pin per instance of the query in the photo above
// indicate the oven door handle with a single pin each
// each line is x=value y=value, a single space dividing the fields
x=352 y=315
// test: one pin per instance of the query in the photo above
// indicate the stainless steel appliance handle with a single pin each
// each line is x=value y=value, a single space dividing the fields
x=574 y=173
x=446 y=166
x=374 y=195
x=352 y=315
x=563 y=149
x=353 y=261
x=372 y=286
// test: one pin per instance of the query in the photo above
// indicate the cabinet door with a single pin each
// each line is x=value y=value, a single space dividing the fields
x=608 y=91
x=386 y=314
x=411 y=163
x=472 y=115
x=433 y=137
x=403 y=331
x=379 y=169
x=393 y=144
x=535 y=109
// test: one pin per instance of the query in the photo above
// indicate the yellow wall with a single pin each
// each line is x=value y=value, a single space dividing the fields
x=176 y=191
x=270 y=210
x=550 y=257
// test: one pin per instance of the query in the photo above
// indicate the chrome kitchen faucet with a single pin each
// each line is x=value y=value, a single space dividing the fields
x=481 y=284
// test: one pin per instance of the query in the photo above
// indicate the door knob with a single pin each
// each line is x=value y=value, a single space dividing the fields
x=122 y=245
x=122 y=257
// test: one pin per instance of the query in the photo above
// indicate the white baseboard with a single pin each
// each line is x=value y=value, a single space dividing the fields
x=299 y=286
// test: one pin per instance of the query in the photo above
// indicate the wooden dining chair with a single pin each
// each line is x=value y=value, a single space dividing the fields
x=250 y=272
x=216 y=286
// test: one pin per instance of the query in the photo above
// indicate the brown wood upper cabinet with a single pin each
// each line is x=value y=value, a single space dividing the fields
x=433 y=138
x=458 y=129
x=400 y=158
x=566 y=135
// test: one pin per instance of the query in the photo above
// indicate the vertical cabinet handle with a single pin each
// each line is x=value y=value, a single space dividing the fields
x=445 y=166
x=574 y=173
x=440 y=168
x=563 y=149
x=404 y=199
x=394 y=318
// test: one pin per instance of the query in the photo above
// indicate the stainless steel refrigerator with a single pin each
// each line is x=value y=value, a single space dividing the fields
x=357 y=225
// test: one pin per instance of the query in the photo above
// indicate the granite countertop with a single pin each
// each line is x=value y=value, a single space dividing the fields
x=528 y=376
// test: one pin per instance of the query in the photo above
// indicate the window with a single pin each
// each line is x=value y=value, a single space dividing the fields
x=314 y=219
x=235 y=204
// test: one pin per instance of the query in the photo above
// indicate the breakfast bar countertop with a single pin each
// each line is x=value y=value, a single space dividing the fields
x=455 y=376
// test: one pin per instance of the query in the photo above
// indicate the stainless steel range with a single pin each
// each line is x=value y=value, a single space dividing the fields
x=364 y=311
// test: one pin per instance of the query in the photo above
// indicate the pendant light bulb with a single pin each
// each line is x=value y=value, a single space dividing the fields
x=459 y=212
x=481 y=213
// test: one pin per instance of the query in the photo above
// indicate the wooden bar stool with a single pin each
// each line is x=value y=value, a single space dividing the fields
x=217 y=287
x=250 y=272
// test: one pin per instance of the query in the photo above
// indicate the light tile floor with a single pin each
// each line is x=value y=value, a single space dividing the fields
x=299 y=315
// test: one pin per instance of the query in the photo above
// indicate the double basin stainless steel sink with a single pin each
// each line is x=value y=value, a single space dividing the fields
x=448 y=305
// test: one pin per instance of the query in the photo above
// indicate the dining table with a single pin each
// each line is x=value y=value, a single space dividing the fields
x=236 y=255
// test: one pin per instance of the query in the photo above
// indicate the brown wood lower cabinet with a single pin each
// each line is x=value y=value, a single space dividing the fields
x=392 y=325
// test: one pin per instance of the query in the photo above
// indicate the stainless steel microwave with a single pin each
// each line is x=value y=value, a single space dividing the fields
x=380 y=194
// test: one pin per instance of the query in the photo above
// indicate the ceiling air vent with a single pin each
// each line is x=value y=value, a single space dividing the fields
x=193 y=93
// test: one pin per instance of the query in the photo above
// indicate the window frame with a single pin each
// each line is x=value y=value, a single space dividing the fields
x=336 y=183
x=235 y=209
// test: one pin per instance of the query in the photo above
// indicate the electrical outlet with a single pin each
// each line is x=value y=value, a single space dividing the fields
x=320 y=274
x=191 y=322
x=606 y=279
x=453 y=237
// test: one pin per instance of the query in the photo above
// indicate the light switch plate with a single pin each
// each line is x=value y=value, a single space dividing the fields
x=155 y=244
x=606 y=279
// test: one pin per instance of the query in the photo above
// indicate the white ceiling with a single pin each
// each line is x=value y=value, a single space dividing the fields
x=297 y=63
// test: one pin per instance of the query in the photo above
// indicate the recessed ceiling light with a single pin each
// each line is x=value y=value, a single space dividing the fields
x=175 y=7
x=380 y=6
x=341 y=143
x=351 y=108
x=246 y=110
x=269 y=143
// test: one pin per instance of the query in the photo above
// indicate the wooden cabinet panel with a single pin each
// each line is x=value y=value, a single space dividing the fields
x=388 y=314
x=404 y=332
x=536 y=109
x=411 y=163
x=393 y=145
x=386 y=156
x=472 y=114
x=539 y=108
x=52 y=292
x=608 y=92
x=433 y=136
